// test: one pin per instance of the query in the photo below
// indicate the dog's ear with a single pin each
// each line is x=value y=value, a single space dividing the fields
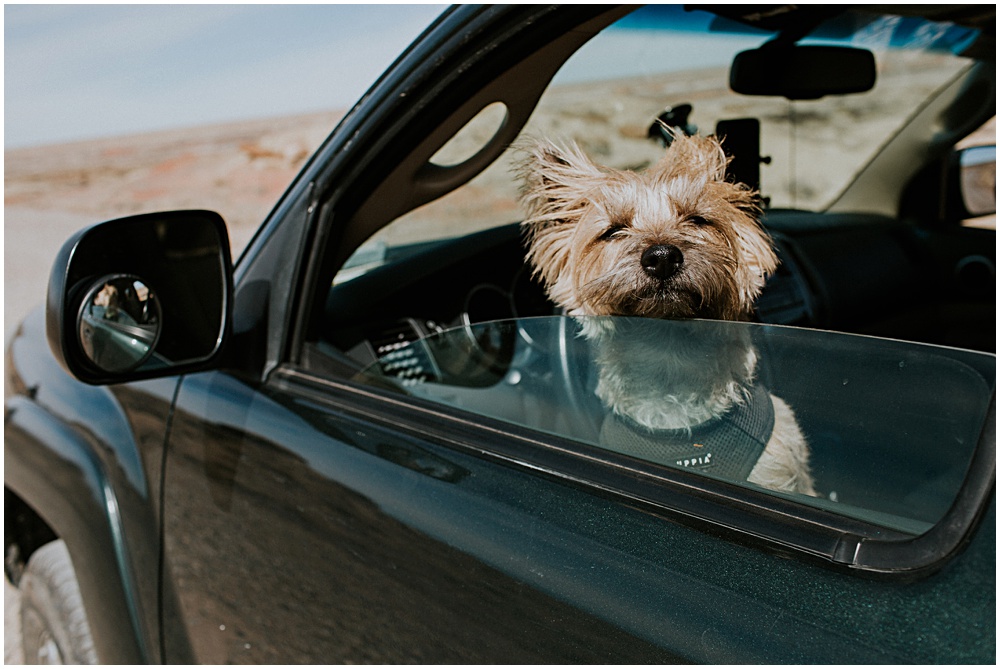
x=554 y=178
x=758 y=259
x=740 y=208
x=759 y=262
x=555 y=184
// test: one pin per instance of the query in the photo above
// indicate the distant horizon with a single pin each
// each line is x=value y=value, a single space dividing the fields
x=180 y=128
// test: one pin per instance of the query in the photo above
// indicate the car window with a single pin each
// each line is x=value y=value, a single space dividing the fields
x=889 y=427
x=668 y=60
x=441 y=305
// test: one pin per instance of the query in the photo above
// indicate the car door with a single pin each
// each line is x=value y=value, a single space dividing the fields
x=309 y=519
x=300 y=530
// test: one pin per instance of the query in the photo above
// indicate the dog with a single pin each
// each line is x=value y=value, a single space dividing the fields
x=675 y=241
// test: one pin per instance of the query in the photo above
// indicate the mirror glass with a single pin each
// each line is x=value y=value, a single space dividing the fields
x=120 y=322
x=978 y=176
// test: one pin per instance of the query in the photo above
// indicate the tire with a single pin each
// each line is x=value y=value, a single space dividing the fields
x=54 y=628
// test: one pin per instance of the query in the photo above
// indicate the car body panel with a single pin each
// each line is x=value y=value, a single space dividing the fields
x=69 y=449
x=335 y=525
x=326 y=528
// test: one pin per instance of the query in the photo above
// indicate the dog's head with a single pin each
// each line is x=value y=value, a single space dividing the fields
x=674 y=241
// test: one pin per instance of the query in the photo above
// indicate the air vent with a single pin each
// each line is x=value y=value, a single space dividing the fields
x=402 y=355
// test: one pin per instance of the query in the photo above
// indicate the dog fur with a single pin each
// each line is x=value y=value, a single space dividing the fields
x=675 y=241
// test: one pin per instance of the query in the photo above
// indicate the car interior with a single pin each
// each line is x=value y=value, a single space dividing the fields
x=893 y=250
x=900 y=264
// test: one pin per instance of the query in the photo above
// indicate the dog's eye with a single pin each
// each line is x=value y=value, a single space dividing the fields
x=611 y=232
x=699 y=221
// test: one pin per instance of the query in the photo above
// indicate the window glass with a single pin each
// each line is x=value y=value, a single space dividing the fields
x=888 y=427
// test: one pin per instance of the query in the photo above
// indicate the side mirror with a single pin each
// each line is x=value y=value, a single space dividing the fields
x=800 y=72
x=977 y=180
x=141 y=297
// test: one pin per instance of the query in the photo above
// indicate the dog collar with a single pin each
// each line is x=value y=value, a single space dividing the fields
x=728 y=446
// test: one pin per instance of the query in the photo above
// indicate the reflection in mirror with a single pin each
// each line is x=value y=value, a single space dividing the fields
x=889 y=426
x=119 y=324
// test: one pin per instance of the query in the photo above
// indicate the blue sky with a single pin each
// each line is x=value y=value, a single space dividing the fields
x=83 y=71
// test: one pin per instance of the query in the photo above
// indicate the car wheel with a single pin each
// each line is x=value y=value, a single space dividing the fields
x=54 y=628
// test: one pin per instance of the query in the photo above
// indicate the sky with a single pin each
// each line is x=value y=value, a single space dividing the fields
x=75 y=72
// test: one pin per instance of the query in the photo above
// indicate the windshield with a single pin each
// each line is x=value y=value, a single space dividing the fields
x=886 y=428
x=667 y=56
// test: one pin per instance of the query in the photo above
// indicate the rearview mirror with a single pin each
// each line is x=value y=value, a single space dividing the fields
x=141 y=297
x=802 y=72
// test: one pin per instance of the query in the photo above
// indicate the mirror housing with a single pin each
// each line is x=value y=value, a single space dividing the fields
x=142 y=297
x=802 y=72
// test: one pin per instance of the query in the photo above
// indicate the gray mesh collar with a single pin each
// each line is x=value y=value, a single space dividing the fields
x=728 y=446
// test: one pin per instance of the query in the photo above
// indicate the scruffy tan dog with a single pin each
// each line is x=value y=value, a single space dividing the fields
x=676 y=241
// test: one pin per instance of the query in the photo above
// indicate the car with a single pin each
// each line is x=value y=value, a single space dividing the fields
x=375 y=438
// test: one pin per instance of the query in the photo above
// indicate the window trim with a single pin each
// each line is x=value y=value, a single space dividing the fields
x=736 y=513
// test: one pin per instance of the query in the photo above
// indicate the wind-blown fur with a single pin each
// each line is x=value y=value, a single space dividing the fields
x=675 y=241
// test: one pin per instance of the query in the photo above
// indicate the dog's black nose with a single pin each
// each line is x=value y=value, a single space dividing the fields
x=662 y=261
